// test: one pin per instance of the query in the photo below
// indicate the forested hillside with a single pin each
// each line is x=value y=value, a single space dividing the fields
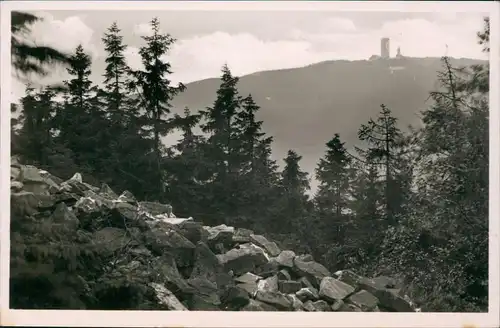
x=410 y=204
x=301 y=107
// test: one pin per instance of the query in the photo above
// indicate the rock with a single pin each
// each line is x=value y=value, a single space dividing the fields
x=111 y=239
x=270 y=247
x=141 y=251
x=153 y=208
x=297 y=304
x=306 y=283
x=276 y=299
x=126 y=211
x=75 y=185
x=30 y=175
x=305 y=258
x=87 y=205
x=364 y=300
x=337 y=305
x=284 y=275
x=16 y=186
x=255 y=305
x=269 y=284
x=206 y=264
x=332 y=289
x=205 y=297
x=248 y=278
x=101 y=201
x=268 y=269
x=285 y=259
x=314 y=271
x=15 y=173
x=347 y=307
x=127 y=197
x=234 y=298
x=306 y=294
x=167 y=298
x=350 y=278
x=163 y=239
x=241 y=260
x=289 y=286
x=221 y=234
x=391 y=300
x=27 y=203
x=62 y=214
x=250 y=287
x=193 y=231
x=321 y=306
x=107 y=192
x=167 y=274
x=242 y=236
x=309 y=306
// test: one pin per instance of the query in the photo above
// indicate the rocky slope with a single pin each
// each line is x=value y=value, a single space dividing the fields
x=188 y=266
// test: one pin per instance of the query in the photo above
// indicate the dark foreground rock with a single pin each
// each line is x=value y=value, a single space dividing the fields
x=187 y=266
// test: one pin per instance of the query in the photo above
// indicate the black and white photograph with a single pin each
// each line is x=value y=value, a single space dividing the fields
x=292 y=157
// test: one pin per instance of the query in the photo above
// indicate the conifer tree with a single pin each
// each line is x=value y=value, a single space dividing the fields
x=187 y=172
x=115 y=76
x=156 y=94
x=294 y=185
x=35 y=133
x=382 y=137
x=81 y=122
x=222 y=152
x=220 y=120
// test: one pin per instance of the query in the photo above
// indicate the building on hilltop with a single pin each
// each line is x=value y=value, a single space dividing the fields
x=385 y=48
x=399 y=55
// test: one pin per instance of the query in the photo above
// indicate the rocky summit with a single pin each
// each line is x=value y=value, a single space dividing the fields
x=186 y=265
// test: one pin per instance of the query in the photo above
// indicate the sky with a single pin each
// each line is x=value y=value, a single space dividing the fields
x=251 y=41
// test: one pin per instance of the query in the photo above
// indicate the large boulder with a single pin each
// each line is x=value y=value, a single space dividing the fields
x=289 y=286
x=166 y=298
x=364 y=300
x=205 y=296
x=269 y=284
x=285 y=259
x=27 y=203
x=332 y=289
x=206 y=264
x=234 y=298
x=111 y=239
x=243 y=259
x=307 y=294
x=221 y=234
x=270 y=247
x=255 y=305
x=313 y=271
x=164 y=271
x=242 y=236
x=276 y=299
x=162 y=238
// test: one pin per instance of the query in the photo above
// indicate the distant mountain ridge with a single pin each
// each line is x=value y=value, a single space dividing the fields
x=304 y=107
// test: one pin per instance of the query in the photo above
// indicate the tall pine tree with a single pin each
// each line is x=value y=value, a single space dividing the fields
x=156 y=94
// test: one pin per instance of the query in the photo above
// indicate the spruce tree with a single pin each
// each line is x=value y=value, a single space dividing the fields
x=382 y=137
x=81 y=121
x=294 y=184
x=156 y=94
x=221 y=150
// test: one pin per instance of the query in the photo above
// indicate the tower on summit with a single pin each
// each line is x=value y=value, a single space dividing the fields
x=385 y=48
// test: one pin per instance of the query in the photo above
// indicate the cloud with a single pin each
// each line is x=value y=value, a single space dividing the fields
x=203 y=56
x=64 y=35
